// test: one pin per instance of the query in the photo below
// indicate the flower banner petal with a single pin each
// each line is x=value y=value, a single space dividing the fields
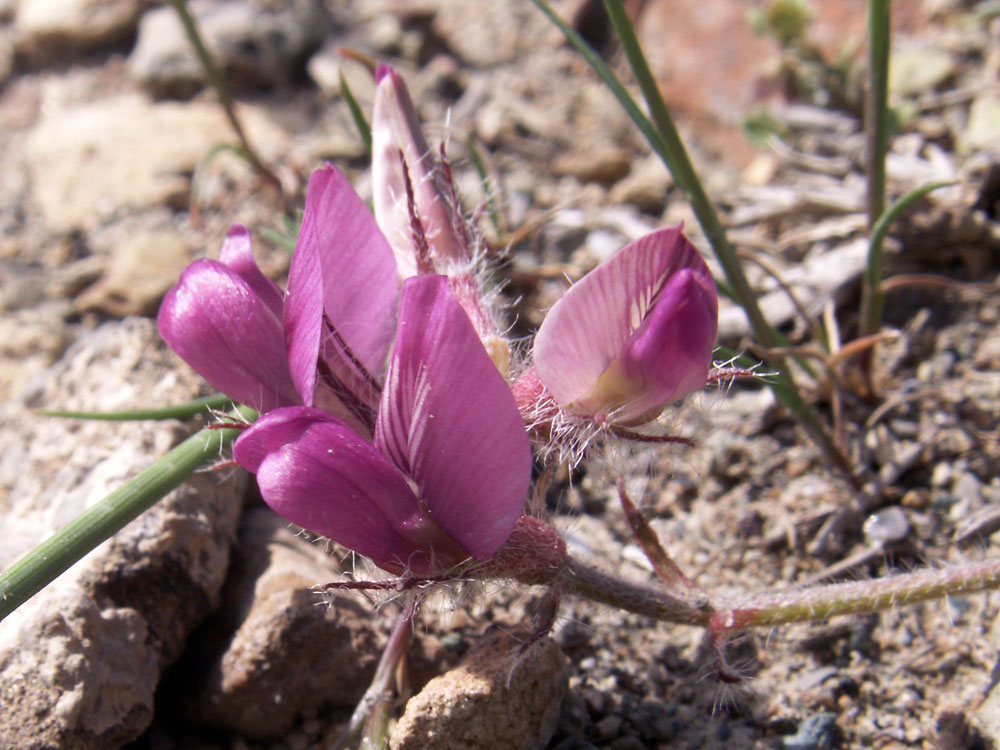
x=342 y=286
x=449 y=420
x=320 y=474
x=215 y=320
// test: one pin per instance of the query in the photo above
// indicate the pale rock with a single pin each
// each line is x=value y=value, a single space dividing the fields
x=601 y=164
x=254 y=43
x=986 y=717
x=326 y=68
x=75 y=675
x=6 y=55
x=982 y=131
x=646 y=186
x=140 y=270
x=91 y=162
x=50 y=29
x=917 y=70
x=285 y=650
x=80 y=661
x=497 y=697
x=30 y=340
x=487 y=34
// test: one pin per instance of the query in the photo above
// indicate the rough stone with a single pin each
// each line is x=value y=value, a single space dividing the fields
x=285 y=651
x=49 y=29
x=483 y=34
x=140 y=270
x=80 y=661
x=88 y=162
x=30 y=340
x=497 y=697
x=603 y=165
x=646 y=186
x=917 y=70
x=255 y=44
x=983 y=128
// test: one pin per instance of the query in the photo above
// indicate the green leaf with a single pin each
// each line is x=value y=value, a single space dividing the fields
x=357 y=114
x=202 y=405
x=55 y=555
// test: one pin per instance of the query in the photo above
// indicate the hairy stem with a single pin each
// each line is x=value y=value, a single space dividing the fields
x=589 y=582
x=722 y=615
x=858 y=597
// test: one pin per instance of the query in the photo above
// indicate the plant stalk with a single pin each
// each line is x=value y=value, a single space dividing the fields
x=55 y=555
x=769 y=609
x=218 y=82
x=876 y=145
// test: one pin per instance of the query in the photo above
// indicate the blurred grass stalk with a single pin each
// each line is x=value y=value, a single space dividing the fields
x=876 y=145
x=218 y=82
x=665 y=140
x=55 y=555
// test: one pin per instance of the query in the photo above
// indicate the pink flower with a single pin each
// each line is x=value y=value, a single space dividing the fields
x=419 y=462
x=447 y=474
x=325 y=342
x=633 y=335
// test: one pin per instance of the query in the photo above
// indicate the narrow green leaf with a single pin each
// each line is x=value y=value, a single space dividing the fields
x=42 y=565
x=877 y=111
x=616 y=87
x=872 y=300
x=357 y=114
x=218 y=82
x=202 y=405
x=484 y=180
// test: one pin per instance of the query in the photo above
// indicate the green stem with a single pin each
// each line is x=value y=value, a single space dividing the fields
x=770 y=609
x=55 y=555
x=860 y=597
x=876 y=145
x=681 y=607
x=372 y=712
x=218 y=82
x=877 y=111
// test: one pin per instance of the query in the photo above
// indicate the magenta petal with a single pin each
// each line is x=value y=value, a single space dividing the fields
x=237 y=254
x=672 y=351
x=448 y=419
x=615 y=310
x=342 y=286
x=219 y=325
x=397 y=139
x=320 y=474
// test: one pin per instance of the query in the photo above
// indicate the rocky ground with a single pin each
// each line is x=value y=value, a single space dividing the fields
x=197 y=625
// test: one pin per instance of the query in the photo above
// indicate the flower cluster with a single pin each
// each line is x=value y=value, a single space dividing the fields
x=390 y=422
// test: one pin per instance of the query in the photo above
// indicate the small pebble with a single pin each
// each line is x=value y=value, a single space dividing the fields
x=887 y=526
x=573 y=634
x=941 y=476
x=816 y=732
x=608 y=727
